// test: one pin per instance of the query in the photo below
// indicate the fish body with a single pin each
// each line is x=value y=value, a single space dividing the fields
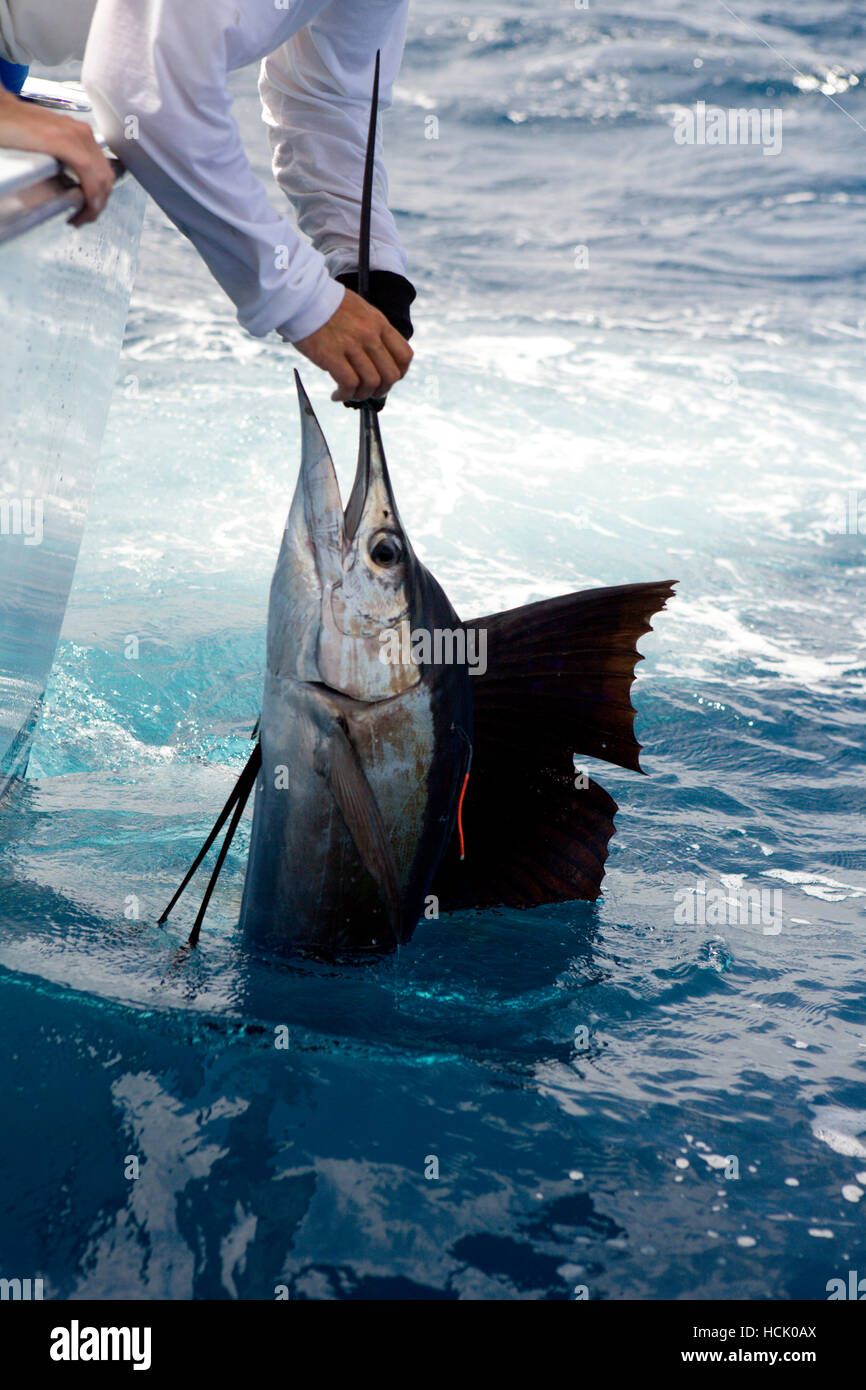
x=363 y=748
x=367 y=738
x=308 y=882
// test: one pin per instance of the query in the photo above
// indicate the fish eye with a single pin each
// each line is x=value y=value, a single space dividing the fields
x=386 y=549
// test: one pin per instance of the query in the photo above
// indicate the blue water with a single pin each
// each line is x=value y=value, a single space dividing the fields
x=619 y=1103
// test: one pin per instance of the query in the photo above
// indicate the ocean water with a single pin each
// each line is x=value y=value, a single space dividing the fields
x=635 y=359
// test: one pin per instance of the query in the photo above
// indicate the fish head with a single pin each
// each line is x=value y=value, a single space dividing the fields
x=345 y=583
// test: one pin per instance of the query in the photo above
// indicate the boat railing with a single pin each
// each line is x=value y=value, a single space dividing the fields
x=35 y=187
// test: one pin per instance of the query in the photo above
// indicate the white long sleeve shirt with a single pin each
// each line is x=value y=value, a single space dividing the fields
x=155 y=71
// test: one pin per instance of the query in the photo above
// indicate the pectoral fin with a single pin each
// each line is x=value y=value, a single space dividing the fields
x=338 y=763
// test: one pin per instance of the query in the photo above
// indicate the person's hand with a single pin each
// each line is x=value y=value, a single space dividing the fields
x=24 y=126
x=360 y=350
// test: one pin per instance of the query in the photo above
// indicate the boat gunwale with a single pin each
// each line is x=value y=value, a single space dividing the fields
x=34 y=188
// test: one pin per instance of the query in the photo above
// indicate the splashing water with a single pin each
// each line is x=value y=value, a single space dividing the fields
x=636 y=359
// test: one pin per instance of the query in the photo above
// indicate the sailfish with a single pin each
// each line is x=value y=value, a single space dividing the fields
x=394 y=778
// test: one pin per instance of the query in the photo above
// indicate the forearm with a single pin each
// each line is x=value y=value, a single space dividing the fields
x=315 y=93
x=165 y=110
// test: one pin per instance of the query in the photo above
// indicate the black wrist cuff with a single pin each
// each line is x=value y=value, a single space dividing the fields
x=390 y=293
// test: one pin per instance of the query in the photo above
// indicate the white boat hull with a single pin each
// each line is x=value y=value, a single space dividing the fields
x=64 y=296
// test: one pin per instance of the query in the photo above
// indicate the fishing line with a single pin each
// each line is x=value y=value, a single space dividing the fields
x=367 y=192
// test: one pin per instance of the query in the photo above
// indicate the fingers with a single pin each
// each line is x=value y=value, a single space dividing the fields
x=27 y=127
x=379 y=354
x=379 y=362
x=94 y=173
x=366 y=373
x=398 y=348
x=347 y=381
x=360 y=349
x=385 y=372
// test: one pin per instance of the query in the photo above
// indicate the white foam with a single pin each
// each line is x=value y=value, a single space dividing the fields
x=840 y=1129
x=831 y=890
